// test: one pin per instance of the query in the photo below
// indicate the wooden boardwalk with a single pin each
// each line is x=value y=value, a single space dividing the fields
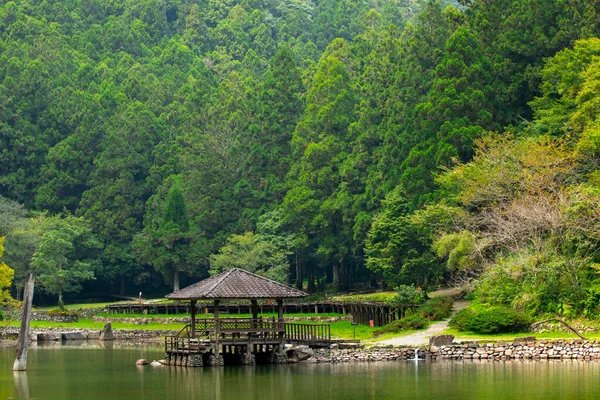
x=362 y=313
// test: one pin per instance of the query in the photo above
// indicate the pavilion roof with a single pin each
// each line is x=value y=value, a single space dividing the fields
x=236 y=284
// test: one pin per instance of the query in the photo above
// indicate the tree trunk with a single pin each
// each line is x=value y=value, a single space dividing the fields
x=336 y=277
x=23 y=339
x=311 y=283
x=299 y=277
x=60 y=299
x=122 y=289
x=175 y=280
x=176 y=283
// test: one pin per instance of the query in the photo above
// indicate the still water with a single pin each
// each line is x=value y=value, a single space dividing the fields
x=95 y=372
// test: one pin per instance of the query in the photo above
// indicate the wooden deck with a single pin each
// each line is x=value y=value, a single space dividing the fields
x=208 y=333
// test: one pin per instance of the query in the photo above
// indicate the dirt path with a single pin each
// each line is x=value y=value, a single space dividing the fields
x=422 y=337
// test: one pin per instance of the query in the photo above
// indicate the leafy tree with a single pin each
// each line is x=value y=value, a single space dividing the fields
x=253 y=253
x=166 y=245
x=66 y=255
x=6 y=276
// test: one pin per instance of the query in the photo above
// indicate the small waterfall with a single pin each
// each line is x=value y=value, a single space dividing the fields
x=416 y=354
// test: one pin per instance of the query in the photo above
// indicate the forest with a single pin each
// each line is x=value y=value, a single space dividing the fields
x=329 y=144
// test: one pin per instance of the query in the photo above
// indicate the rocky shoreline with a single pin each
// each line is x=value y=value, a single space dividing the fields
x=520 y=349
x=496 y=351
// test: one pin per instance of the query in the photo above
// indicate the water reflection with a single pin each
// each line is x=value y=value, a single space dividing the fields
x=92 y=371
x=21 y=385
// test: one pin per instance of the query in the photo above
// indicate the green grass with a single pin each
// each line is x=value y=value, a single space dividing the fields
x=379 y=296
x=465 y=335
x=89 y=324
x=200 y=316
x=339 y=330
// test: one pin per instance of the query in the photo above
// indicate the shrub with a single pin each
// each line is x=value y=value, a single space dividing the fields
x=490 y=320
x=459 y=321
x=63 y=313
x=436 y=309
x=412 y=322
x=1 y=315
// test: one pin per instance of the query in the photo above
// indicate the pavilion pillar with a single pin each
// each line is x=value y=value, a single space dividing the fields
x=193 y=319
x=281 y=324
x=280 y=309
x=217 y=355
x=254 y=308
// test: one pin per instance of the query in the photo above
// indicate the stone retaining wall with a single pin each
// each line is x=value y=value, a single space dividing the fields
x=42 y=315
x=11 y=333
x=558 y=350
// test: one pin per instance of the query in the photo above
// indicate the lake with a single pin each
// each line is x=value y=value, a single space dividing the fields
x=90 y=371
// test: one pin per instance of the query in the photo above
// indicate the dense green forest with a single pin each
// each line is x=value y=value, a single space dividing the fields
x=332 y=144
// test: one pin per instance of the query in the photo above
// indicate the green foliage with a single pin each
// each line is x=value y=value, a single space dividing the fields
x=66 y=254
x=254 y=253
x=436 y=309
x=406 y=295
x=2 y=315
x=172 y=127
x=6 y=277
x=63 y=313
x=412 y=322
x=490 y=320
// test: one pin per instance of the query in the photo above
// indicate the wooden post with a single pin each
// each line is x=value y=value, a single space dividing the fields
x=254 y=308
x=216 y=315
x=193 y=319
x=22 y=341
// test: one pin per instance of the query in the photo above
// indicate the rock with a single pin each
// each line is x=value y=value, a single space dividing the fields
x=107 y=333
x=155 y=363
x=46 y=337
x=299 y=354
x=163 y=362
x=73 y=336
x=441 y=340
x=93 y=335
x=141 y=361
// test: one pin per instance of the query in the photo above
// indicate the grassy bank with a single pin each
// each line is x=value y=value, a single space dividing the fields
x=339 y=330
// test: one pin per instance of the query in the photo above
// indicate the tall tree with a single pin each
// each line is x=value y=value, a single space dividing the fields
x=66 y=256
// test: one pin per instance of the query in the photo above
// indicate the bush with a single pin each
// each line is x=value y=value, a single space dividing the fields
x=63 y=313
x=1 y=315
x=459 y=320
x=436 y=309
x=490 y=320
x=412 y=322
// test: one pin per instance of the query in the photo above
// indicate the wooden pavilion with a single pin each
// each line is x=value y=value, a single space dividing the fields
x=219 y=340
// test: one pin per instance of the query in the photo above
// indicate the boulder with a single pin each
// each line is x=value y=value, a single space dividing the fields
x=107 y=333
x=93 y=335
x=46 y=337
x=73 y=336
x=441 y=340
x=299 y=354
x=155 y=363
x=141 y=361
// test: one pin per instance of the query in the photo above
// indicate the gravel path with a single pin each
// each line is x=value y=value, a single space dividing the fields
x=422 y=337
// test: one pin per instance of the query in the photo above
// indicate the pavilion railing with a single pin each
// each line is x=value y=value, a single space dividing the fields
x=308 y=333
x=244 y=330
